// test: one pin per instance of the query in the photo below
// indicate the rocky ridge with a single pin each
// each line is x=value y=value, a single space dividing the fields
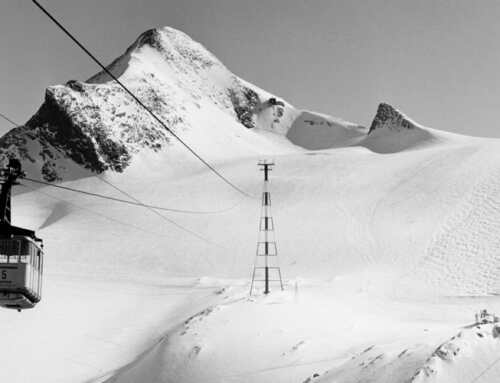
x=100 y=127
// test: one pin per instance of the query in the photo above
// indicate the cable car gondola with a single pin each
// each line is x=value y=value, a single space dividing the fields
x=21 y=252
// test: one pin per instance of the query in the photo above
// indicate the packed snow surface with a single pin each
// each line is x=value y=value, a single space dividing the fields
x=387 y=236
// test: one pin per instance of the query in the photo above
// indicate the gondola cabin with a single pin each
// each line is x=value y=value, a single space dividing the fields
x=21 y=270
x=21 y=252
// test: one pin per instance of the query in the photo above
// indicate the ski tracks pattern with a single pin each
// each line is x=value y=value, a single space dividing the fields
x=464 y=254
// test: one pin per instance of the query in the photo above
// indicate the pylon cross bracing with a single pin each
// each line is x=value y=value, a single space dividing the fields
x=266 y=267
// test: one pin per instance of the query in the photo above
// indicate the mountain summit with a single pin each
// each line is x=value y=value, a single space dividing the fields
x=95 y=126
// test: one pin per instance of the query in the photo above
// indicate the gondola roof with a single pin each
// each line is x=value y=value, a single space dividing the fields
x=7 y=230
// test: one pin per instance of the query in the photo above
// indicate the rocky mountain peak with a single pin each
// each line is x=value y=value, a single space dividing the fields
x=177 y=50
x=97 y=126
x=389 y=117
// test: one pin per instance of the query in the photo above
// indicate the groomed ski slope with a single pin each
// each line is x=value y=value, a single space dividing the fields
x=432 y=210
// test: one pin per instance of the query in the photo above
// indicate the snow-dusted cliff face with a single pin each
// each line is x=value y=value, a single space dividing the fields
x=97 y=126
x=390 y=118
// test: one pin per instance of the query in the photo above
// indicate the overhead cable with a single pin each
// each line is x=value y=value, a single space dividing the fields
x=154 y=211
x=94 y=212
x=137 y=203
x=134 y=203
x=8 y=120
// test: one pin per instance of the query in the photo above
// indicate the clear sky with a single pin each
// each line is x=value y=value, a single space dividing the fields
x=438 y=61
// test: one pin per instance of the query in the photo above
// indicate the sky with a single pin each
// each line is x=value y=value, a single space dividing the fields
x=437 y=61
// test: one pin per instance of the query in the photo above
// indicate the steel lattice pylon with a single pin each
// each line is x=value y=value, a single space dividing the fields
x=266 y=257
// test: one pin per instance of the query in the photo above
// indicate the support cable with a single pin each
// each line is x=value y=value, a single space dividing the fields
x=161 y=216
x=35 y=190
x=154 y=211
x=138 y=228
x=179 y=226
x=133 y=203
x=8 y=120
x=151 y=113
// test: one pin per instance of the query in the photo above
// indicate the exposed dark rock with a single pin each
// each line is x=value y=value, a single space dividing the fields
x=389 y=117
x=54 y=127
x=244 y=104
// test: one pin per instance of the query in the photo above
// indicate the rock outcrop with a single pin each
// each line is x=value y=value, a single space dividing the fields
x=391 y=118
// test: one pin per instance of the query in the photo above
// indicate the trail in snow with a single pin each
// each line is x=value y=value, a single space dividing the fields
x=464 y=253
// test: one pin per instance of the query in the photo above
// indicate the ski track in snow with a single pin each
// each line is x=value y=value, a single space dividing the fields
x=465 y=253
x=405 y=180
x=407 y=191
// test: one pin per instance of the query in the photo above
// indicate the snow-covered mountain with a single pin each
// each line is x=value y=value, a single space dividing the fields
x=98 y=126
x=381 y=231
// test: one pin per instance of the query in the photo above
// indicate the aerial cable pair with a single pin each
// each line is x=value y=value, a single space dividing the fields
x=135 y=201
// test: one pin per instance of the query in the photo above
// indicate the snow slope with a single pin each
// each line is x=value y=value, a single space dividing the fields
x=379 y=232
x=470 y=355
x=323 y=333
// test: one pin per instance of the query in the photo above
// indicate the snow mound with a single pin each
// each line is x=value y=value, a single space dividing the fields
x=469 y=356
x=314 y=131
x=375 y=364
